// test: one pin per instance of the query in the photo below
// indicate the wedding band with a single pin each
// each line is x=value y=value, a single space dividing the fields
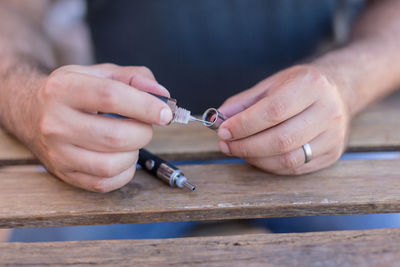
x=307 y=152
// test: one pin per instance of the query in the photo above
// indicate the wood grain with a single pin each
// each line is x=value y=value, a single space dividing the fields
x=378 y=127
x=336 y=248
x=375 y=129
x=12 y=151
x=34 y=198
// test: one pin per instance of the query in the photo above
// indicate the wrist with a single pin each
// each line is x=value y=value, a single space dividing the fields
x=18 y=101
x=342 y=79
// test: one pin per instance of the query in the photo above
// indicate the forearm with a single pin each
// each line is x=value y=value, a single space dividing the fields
x=26 y=57
x=368 y=68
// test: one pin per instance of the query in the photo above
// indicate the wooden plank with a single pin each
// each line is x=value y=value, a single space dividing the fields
x=12 y=151
x=375 y=129
x=33 y=198
x=336 y=248
x=378 y=127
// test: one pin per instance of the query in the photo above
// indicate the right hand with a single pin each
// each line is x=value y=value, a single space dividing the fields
x=88 y=150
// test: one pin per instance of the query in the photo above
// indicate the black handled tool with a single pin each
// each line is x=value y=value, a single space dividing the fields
x=163 y=170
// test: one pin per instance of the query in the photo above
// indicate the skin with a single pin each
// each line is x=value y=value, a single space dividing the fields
x=314 y=103
x=311 y=103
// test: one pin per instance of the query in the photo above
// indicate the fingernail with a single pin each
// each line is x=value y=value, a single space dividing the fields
x=165 y=116
x=224 y=148
x=224 y=134
x=164 y=89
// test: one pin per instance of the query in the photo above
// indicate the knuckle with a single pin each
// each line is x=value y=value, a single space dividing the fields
x=52 y=157
x=144 y=71
x=336 y=153
x=292 y=171
x=296 y=172
x=335 y=111
x=151 y=108
x=108 y=168
x=240 y=149
x=127 y=176
x=52 y=86
x=147 y=136
x=101 y=186
x=107 y=65
x=107 y=97
x=243 y=126
x=135 y=158
x=48 y=127
x=275 y=110
x=115 y=139
x=289 y=161
x=315 y=75
x=56 y=84
x=67 y=68
x=284 y=143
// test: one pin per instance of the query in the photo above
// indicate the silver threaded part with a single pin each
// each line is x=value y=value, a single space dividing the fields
x=181 y=115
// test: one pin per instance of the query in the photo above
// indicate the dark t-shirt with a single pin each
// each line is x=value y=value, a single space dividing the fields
x=204 y=51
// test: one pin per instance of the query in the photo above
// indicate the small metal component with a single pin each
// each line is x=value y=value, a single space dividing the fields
x=199 y=120
x=182 y=115
x=164 y=170
x=214 y=118
x=150 y=164
x=174 y=177
x=189 y=186
x=179 y=115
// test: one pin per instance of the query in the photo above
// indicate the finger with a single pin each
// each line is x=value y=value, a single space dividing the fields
x=319 y=163
x=133 y=76
x=239 y=102
x=99 y=184
x=247 y=98
x=72 y=158
x=277 y=107
x=140 y=78
x=293 y=160
x=110 y=71
x=102 y=134
x=122 y=73
x=282 y=138
x=91 y=93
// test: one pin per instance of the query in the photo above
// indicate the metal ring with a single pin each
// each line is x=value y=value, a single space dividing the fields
x=214 y=118
x=307 y=152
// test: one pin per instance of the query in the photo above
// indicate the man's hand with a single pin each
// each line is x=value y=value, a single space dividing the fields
x=83 y=148
x=270 y=122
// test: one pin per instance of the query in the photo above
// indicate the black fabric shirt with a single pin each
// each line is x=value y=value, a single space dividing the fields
x=204 y=51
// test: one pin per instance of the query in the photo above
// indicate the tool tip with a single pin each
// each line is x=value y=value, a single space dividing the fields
x=206 y=123
x=189 y=186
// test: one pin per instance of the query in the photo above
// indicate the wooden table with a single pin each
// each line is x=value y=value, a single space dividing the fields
x=33 y=198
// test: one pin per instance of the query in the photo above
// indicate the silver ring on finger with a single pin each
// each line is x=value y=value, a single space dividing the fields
x=307 y=153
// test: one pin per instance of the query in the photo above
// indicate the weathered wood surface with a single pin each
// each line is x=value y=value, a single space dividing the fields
x=337 y=248
x=375 y=129
x=378 y=127
x=33 y=198
x=12 y=151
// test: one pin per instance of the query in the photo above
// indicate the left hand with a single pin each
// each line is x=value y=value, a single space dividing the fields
x=269 y=123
